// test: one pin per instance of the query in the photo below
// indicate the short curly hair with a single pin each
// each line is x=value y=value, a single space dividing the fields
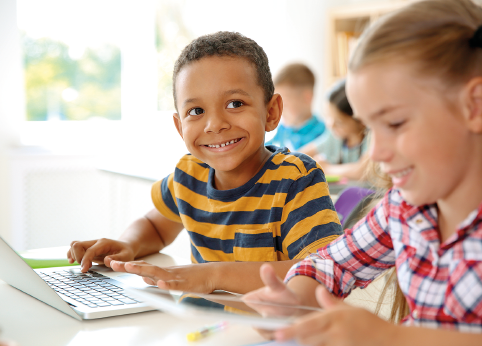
x=232 y=44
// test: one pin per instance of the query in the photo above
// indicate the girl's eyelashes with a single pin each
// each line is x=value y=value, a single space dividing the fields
x=396 y=124
x=195 y=111
x=235 y=104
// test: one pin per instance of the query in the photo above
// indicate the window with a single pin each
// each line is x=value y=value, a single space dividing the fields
x=72 y=59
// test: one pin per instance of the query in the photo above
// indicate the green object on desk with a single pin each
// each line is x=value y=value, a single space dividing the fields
x=36 y=263
x=332 y=178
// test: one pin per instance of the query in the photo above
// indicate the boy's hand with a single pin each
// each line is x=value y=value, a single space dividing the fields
x=198 y=278
x=101 y=251
x=275 y=291
x=338 y=324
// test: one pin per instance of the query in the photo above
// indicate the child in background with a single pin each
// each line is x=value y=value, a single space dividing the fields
x=415 y=79
x=341 y=150
x=295 y=83
x=241 y=202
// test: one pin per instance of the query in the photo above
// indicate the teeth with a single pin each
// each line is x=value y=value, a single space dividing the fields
x=222 y=144
x=402 y=173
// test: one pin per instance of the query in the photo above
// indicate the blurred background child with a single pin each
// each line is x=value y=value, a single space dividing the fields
x=299 y=126
x=341 y=150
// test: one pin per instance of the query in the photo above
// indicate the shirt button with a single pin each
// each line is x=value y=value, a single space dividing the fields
x=418 y=221
x=415 y=314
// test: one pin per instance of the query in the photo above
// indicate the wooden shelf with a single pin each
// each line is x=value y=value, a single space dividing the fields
x=345 y=24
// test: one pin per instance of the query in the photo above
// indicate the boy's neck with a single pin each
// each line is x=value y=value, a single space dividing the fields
x=241 y=175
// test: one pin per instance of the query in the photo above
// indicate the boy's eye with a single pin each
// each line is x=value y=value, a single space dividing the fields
x=195 y=111
x=235 y=104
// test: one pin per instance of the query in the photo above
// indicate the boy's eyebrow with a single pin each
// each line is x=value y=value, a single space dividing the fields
x=193 y=100
x=236 y=91
x=226 y=93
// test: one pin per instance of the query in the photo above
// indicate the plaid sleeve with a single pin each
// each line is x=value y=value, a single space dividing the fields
x=354 y=259
x=309 y=218
x=162 y=193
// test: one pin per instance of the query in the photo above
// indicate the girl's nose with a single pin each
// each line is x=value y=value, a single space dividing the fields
x=380 y=150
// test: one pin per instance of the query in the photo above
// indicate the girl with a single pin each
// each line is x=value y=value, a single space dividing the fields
x=342 y=150
x=415 y=79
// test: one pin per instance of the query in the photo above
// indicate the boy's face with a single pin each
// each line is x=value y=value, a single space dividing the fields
x=296 y=103
x=222 y=115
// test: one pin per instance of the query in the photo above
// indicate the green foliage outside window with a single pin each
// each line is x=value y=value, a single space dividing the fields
x=65 y=88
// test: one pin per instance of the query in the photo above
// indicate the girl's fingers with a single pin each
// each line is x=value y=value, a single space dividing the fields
x=325 y=298
x=269 y=278
x=316 y=323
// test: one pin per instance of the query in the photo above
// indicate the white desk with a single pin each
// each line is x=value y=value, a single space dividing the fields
x=27 y=321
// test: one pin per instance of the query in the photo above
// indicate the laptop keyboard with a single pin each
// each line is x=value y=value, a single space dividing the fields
x=91 y=288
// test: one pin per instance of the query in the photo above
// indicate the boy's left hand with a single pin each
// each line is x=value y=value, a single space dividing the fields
x=196 y=278
x=338 y=324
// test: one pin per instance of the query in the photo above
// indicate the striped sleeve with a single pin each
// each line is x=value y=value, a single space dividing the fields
x=163 y=197
x=354 y=259
x=309 y=218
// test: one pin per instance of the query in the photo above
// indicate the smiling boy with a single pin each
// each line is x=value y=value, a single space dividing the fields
x=242 y=203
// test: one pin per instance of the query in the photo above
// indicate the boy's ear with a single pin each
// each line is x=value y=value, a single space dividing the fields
x=473 y=104
x=275 y=109
x=308 y=95
x=177 y=123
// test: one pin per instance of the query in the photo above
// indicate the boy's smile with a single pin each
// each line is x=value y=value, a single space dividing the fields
x=223 y=117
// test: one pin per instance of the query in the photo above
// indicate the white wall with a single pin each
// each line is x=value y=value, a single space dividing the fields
x=288 y=31
x=11 y=102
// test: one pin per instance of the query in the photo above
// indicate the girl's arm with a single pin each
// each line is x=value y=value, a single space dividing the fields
x=342 y=324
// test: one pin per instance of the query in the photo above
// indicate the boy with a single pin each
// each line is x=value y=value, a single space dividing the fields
x=295 y=83
x=242 y=203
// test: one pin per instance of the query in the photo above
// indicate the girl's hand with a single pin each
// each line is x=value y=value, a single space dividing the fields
x=275 y=291
x=339 y=324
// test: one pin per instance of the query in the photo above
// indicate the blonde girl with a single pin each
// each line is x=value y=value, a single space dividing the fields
x=415 y=80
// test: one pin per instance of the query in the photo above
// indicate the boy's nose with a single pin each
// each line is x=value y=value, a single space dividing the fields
x=216 y=123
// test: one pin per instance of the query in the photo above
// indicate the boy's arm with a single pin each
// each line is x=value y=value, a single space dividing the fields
x=146 y=235
x=237 y=277
x=151 y=233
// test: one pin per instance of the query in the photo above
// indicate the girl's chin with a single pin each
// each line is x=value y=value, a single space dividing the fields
x=415 y=198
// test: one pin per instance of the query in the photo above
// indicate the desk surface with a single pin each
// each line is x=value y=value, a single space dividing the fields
x=27 y=321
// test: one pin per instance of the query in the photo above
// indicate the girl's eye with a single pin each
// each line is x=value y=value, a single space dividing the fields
x=397 y=124
x=235 y=104
x=196 y=111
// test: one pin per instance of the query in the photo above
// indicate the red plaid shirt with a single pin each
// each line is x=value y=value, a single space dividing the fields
x=442 y=282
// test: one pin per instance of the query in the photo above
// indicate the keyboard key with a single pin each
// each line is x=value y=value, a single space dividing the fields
x=128 y=301
x=116 y=303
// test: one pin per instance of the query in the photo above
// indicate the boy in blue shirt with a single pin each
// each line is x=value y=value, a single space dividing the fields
x=241 y=202
x=299 y=126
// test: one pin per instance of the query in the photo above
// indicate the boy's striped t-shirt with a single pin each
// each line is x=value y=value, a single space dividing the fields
x=284 y=212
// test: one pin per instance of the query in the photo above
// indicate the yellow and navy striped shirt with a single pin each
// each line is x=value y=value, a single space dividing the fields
x=284 y=212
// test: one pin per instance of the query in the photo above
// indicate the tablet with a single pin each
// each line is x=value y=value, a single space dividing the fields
x=218 y=306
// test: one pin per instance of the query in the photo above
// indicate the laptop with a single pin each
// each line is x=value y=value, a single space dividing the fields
x=83 y=296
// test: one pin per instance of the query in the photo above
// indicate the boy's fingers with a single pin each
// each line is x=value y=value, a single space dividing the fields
x=121 y=256
x=146 y=270
x=149 y=281
x=269 y=278
x=78 y=249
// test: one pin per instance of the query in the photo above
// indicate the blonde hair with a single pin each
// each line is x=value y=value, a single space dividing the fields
x=433 y=34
